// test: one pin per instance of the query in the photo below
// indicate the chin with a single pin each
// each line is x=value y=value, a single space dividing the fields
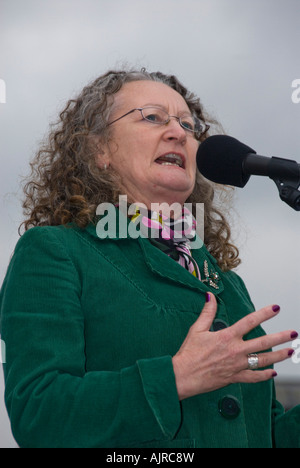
x=178 y=184
x=174 y=193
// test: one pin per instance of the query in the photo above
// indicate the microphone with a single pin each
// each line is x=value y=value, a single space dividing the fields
x=225 y=160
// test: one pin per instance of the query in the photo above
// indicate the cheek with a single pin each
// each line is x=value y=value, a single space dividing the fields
x=193 y=155
x=128 y=147
x=138 y=156
x=129 y=163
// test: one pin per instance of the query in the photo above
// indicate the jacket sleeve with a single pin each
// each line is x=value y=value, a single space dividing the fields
x=51 y=399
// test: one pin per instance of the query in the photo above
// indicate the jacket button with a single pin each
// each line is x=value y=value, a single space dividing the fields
x=229 y=407
x=218 y=325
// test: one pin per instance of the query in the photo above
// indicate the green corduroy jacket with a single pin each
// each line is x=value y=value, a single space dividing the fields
x=90 y=328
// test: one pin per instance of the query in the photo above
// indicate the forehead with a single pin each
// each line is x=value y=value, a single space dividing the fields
x=141 y=93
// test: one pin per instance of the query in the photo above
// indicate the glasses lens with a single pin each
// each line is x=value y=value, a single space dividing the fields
x=155 y=115
x=188 y=123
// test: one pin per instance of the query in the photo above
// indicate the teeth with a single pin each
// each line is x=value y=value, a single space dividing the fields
x=174 y=160
x=176 y=157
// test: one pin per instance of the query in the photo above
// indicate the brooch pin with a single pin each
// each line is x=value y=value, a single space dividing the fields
x=212 y=278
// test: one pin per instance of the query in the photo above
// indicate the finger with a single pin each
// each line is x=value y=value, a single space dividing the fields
x=274 y=357
x=207 y=315
x=269 y=341
x=253 y=320
x=249 y=376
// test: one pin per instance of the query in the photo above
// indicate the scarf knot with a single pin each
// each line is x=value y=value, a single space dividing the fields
x=171 y=236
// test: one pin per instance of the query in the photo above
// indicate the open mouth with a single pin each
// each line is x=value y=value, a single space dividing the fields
x=171 y=159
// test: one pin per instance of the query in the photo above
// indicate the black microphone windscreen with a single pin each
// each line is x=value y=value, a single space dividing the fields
x=220 y=159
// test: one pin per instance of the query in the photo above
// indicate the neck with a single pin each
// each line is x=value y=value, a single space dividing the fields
x=172 y=209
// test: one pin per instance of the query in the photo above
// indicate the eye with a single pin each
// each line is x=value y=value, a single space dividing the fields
x=153 y=118
x=155 y=115
x=188 y=124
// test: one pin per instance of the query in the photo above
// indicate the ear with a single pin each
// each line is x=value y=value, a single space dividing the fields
x=102 y=160
x=102 y=154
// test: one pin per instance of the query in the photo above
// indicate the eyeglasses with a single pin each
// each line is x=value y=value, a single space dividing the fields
x=158 y=116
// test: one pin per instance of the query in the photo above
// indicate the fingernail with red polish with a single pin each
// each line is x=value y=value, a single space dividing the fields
x=276 y=308
x=294 y=335
x=291 y=352
x=207 y=297
x=274 y=374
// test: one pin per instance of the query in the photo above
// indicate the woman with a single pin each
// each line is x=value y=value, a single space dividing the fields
x=133 y=342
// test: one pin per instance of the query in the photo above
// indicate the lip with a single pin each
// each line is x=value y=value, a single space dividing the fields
x=182 y=157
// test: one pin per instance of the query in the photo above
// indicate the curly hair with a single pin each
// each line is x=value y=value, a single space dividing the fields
x=66 y=185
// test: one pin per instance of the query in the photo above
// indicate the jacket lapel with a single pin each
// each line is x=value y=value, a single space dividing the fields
x=160 y=264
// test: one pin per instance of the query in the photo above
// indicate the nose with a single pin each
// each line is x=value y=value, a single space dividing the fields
x=174 y=131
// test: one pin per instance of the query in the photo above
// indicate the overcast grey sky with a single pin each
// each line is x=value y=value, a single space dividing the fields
x=239 y=57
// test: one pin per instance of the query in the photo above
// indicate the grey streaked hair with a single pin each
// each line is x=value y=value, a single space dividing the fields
x=66 y=185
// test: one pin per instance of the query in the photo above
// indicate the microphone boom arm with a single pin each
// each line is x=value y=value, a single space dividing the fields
x=284 y=172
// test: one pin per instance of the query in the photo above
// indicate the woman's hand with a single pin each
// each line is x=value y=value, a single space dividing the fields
x=208 y=360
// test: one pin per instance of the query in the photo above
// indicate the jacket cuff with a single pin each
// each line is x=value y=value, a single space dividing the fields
x=159 y=385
